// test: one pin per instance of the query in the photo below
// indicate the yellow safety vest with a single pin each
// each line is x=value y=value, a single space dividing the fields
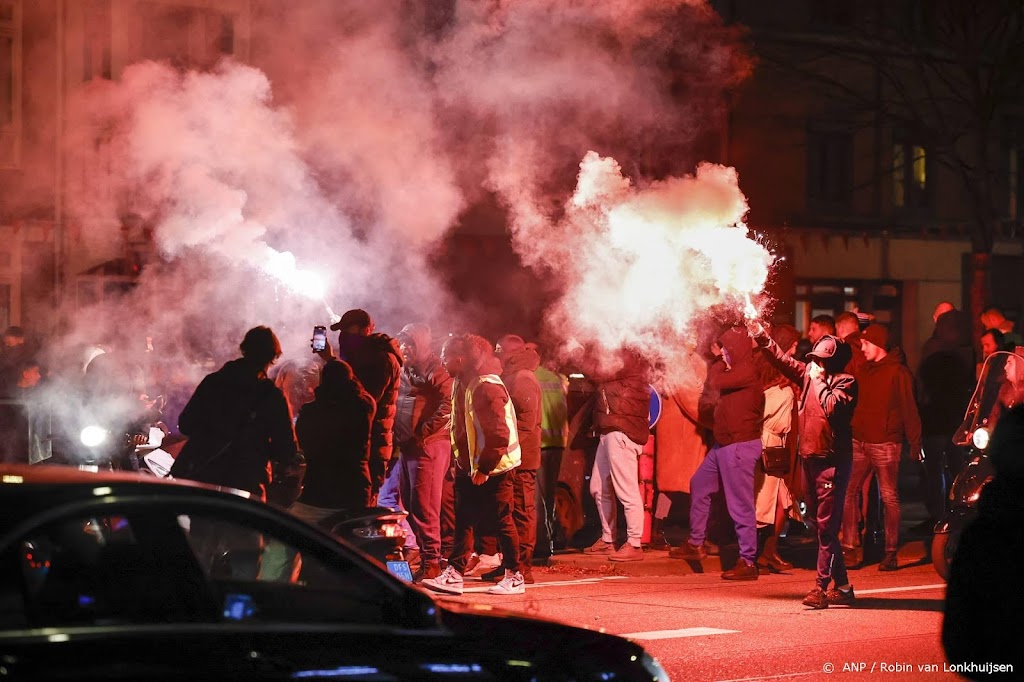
x=554 y=421
x=475 y=436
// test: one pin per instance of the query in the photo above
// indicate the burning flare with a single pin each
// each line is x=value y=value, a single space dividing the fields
x=645 y=263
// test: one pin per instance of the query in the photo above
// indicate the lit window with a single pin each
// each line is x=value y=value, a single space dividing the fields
x=910 y=188
x=920 y=174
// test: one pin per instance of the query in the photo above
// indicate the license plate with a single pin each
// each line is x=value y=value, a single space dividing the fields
x=401 y=570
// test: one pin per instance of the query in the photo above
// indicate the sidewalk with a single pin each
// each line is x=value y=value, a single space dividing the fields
x=658 y=563
x=914 y=549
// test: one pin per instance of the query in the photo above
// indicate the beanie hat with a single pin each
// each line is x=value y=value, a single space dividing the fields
x=877 y=335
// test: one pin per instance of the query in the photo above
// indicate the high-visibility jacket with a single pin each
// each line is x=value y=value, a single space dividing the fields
x=476 y=437
x=554 y=422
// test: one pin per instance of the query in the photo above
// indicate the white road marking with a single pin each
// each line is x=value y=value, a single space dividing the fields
x=673 y=634
x=912 y=588
x=484 y=586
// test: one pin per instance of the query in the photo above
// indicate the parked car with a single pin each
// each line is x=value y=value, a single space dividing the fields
x=119 y=575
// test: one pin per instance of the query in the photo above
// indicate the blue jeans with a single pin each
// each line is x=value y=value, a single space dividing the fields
x=884 y=459
x=421 y=481
x=389 y=496
x=825 y=482
x=731 y=469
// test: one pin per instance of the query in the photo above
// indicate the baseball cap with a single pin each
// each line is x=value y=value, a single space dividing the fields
x=353 y=318
x=825 y=348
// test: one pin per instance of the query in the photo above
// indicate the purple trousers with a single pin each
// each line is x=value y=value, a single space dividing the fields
x=731 y=469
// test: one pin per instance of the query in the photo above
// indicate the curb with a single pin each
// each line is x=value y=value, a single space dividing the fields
x=658 y=563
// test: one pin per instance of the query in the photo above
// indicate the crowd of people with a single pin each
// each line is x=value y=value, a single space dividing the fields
x=467 y=437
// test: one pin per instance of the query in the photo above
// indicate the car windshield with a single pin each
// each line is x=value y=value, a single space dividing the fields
x=175 y=564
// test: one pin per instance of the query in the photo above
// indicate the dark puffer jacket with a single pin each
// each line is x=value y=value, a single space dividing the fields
x=524 y=389
x=237 y=423
x=624 y=402
x=430 y=387
x=377 y=363
x=489 y=402
x=334 y=434
x=739 y=412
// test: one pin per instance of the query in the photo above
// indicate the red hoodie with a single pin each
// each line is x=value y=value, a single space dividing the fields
x=886 y=411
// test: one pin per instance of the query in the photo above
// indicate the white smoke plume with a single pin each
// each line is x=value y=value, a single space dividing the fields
x=644 y=265
x=357 y=135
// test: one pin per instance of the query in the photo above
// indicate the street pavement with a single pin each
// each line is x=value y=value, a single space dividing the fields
x=703 y=628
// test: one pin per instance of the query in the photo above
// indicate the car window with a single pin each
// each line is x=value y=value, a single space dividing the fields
x=184 y=564
x=98 y=570
x=259 y=576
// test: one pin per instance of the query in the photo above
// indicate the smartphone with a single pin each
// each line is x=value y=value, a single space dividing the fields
x=319 y=337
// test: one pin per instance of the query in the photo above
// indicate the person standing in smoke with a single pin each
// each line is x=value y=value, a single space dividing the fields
x=334 y=433
x=518 y=365
x=376 y=360
x=426 y=452
x=827 y=400
x=622 y=420
x=730 y=464
x=237 y=422
x=486 y=448
x=554 y=435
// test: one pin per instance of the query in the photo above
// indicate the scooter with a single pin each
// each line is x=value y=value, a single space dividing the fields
x=376 y=531
x=1000 y=385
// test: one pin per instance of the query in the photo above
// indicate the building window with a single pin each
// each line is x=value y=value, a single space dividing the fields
x=910 y=184
x=10 y=82
x=883 y=299
x=829 y=168
x=186 y=37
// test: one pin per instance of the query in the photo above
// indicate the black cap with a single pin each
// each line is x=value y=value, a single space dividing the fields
x=353 y=318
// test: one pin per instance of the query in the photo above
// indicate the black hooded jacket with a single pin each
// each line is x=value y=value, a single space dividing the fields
x=945 y=375
x=237 y=423
x=524 y=389
x=334 y=434
x=377 y=362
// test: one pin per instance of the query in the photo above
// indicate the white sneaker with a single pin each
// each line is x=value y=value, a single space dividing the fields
x=449 y=582
x=482 y=563
x=512 y=583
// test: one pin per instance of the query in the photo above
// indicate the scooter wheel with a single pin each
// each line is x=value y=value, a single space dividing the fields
x=939 y=559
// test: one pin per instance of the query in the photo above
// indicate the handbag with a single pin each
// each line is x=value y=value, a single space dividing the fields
x=775 y=460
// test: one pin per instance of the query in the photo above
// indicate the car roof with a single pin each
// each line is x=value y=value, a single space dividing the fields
x=26 y=490
x=55 y=475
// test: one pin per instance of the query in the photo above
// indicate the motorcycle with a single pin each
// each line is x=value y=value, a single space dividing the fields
x=123 y=447
x=1000 y=386
x=376 y=531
